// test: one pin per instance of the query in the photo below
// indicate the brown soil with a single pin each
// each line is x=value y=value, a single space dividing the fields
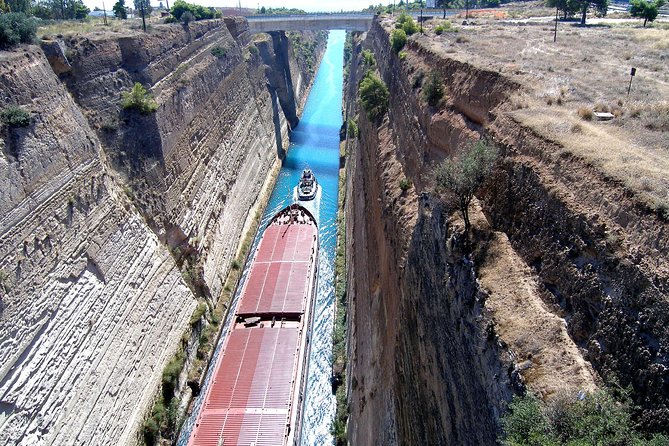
x=563 y=86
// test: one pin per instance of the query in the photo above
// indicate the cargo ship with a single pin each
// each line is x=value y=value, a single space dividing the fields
x=258 y=382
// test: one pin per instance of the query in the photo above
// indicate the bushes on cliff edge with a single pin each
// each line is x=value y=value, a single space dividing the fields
x=373 y=96
x=602 y=418
x=15 y=28
x=398 y=40
x=199 y=12
x=139 y=99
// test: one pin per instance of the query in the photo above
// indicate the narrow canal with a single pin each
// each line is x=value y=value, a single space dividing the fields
x=314 y=144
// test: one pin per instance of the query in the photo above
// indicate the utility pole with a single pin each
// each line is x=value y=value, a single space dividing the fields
x=421 y=16
x=142 y=10
x=556 y=20
x=104 y=11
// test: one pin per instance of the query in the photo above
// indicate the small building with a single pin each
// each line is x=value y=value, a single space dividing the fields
x=431 y=3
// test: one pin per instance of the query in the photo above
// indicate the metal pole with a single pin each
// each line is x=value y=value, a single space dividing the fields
x=421 y=16
x=556 y=19
x=104 y=10
x=143 y=20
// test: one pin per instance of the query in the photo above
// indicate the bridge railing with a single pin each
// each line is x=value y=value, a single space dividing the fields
x=310 y=15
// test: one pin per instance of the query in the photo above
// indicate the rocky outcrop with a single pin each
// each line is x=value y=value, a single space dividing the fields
x=583 y=262
x=422 y=367
x=105 y=212
x=92 y=303
x=195 y=166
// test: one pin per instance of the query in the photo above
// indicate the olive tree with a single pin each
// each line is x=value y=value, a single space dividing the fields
x=646 y=10
x=463 y=174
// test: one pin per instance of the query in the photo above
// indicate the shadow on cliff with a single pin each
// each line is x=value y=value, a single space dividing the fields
x=140 y=148
x=451 y=383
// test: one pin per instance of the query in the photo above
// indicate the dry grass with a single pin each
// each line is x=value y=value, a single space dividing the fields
x=95 y=26
x=587 y=70
x=545 y=355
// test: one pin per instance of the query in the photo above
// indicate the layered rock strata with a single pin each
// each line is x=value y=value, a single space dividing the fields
x=437 y=351
x=99 y=205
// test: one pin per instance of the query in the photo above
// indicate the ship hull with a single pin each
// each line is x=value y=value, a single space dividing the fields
x=258 y=383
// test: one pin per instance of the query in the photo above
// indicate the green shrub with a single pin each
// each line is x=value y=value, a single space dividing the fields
x=14 y=116
x=15 y=28
x=373 y=96
x=151 y=431
x=219 y=52
x=198 y=12
x=600 y=418
x=403 y=55
x=405 y=184
x=187 y=17
x=198 y=313
x=434 y=89
x=139 y=99
x=444 y=27
x=398 y=40
x=171 y=375
x=368 y=57
x=410 y=27
x=352 y=128
x=235 y=265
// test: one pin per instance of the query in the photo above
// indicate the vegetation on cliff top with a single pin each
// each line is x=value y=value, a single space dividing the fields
x=599 y=418
x=15 y=28
x=181 y=7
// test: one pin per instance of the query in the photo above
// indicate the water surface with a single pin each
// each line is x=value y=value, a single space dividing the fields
x=314 y=144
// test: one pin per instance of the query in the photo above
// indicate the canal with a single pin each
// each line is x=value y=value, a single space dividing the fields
x=314 y=144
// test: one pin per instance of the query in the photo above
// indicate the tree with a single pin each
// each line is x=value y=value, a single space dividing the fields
x=373 y=96
x=600 y=5
x=144 y=7
x=568 y=8
x=463 y=175
x=19 y=6
x=646 y=10
x=15 y=28
x=444 y=4
x=79 y=10
x=119 y=10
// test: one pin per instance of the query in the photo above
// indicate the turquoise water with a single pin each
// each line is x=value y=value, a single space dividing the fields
x=314 y=144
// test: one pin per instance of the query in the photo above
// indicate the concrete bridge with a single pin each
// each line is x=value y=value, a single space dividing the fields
x=310 y=22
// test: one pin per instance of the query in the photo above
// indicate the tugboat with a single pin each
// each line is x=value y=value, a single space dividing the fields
x=308 y=186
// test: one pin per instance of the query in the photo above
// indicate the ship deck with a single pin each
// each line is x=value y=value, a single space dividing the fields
x=258 y=376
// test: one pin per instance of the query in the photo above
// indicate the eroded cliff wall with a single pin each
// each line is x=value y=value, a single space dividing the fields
x=93 y=304
x=111 y=220
x=566 y=284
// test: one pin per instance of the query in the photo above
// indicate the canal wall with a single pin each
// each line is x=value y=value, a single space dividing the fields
x=549 y=298
x=114 y=222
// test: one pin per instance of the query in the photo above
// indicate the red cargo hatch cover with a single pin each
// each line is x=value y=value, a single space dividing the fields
x=248 y=400
x=279 y=279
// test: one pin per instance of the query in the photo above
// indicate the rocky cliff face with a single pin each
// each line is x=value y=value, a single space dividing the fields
x=100 y=205
x=563 y=288
x=92 y=303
